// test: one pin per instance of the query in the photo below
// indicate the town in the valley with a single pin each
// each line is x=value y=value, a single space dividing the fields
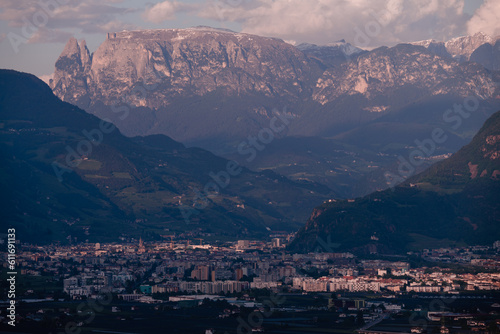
x=249 y=286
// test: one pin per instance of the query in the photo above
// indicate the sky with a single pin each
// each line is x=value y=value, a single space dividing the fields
x=33 y=32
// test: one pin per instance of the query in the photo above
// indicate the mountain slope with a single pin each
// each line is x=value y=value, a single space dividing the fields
x=455 y=201
x=488 y=55
x=65 y=172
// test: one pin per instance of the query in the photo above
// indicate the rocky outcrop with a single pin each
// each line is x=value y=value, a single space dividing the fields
x=184 y=62
x=479 y=48
x=463 y=47
x=72 y=72
x=384 y=71
x=181 y=62
x=204 y=85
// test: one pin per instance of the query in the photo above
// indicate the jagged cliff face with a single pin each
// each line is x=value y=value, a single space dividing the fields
x=464 y=46
x=71 y=77
x=480 y=48
x=384 y=71
x=204 y=85
x=180 y=63
x=201 y=60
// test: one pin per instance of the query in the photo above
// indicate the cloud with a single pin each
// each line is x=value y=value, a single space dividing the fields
x=486 y=19
x=368 y=22
x=43 y=35
x=165 y=10
x=114 y=25
x=42 y=23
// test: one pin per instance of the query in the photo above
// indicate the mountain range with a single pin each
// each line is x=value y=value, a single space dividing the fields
x=268 y=131
x=214 y=88
x=208 y=69
x=479 y=48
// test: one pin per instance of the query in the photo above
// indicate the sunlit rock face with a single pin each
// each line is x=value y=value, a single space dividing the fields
x=203 y=85
x=180 y=62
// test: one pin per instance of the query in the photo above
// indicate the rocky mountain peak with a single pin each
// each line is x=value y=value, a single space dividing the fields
x=71 y=48
x=184 y=62
x=464 y=46
x=85 y=57
x=74 y=51
x=389 y=69
x=71 y=71
x=235 y=79
x=460 y=48
x=479 y=48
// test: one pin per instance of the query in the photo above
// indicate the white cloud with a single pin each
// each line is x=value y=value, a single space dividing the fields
x=368 y=22
x=115 y=25
x=164 y=11
x=41 y=22
x=43 y=35
x=486 y=19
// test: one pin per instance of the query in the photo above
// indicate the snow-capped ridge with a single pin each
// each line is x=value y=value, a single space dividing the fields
x=460 y=48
